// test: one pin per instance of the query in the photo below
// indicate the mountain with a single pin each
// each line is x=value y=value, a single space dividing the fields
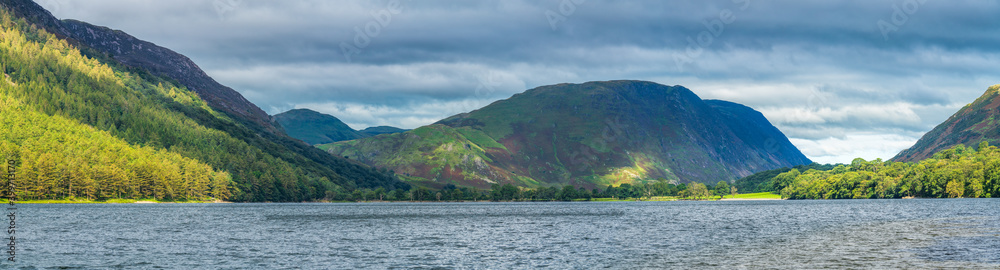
x=589 y=135
x=94 y=101
x=379 y=130
x=316 y=128
x=975 y=123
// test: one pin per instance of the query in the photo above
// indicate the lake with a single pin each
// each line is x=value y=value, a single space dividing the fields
x=962 y=233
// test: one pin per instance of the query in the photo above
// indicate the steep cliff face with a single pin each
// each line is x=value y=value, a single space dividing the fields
x=590 y=134
x=975 y=123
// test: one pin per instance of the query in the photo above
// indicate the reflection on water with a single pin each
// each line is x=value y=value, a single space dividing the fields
x=620 y=235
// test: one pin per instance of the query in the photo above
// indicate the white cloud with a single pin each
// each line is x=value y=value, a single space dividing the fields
x=859 y=145
x=891 y=114
x=362 y=115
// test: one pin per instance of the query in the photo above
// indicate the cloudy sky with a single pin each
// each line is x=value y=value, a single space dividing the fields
x=842 y=79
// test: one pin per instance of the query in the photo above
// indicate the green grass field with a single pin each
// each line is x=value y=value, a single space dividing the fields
x=758 y=196
x=654 y=199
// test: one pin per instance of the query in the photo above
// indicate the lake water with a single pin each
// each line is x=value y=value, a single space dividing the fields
x=615 y=235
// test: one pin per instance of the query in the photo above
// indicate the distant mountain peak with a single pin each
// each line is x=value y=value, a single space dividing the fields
x=314 y=127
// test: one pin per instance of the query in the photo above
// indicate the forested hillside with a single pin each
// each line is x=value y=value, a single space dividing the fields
x=167 y=137
x=61 y=158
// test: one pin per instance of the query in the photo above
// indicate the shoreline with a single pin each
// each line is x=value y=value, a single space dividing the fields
x=740 y=197
x=753 y=199
x=4 y=201
x=349 y=202
x=112 y=201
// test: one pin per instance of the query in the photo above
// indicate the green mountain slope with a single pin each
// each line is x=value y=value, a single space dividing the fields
x=50 y=75
x=316 y=128
x=975 y=123
x=591 y=134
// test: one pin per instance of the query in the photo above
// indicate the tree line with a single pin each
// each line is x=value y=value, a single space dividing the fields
x=762 y=181
x=959 y=172
x=509 y=192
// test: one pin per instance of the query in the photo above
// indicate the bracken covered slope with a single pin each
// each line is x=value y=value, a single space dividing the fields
x=975 y=123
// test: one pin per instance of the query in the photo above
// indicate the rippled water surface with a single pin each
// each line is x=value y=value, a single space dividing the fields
x=634 y=235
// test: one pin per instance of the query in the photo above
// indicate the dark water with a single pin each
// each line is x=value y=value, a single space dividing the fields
x=637 y=235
